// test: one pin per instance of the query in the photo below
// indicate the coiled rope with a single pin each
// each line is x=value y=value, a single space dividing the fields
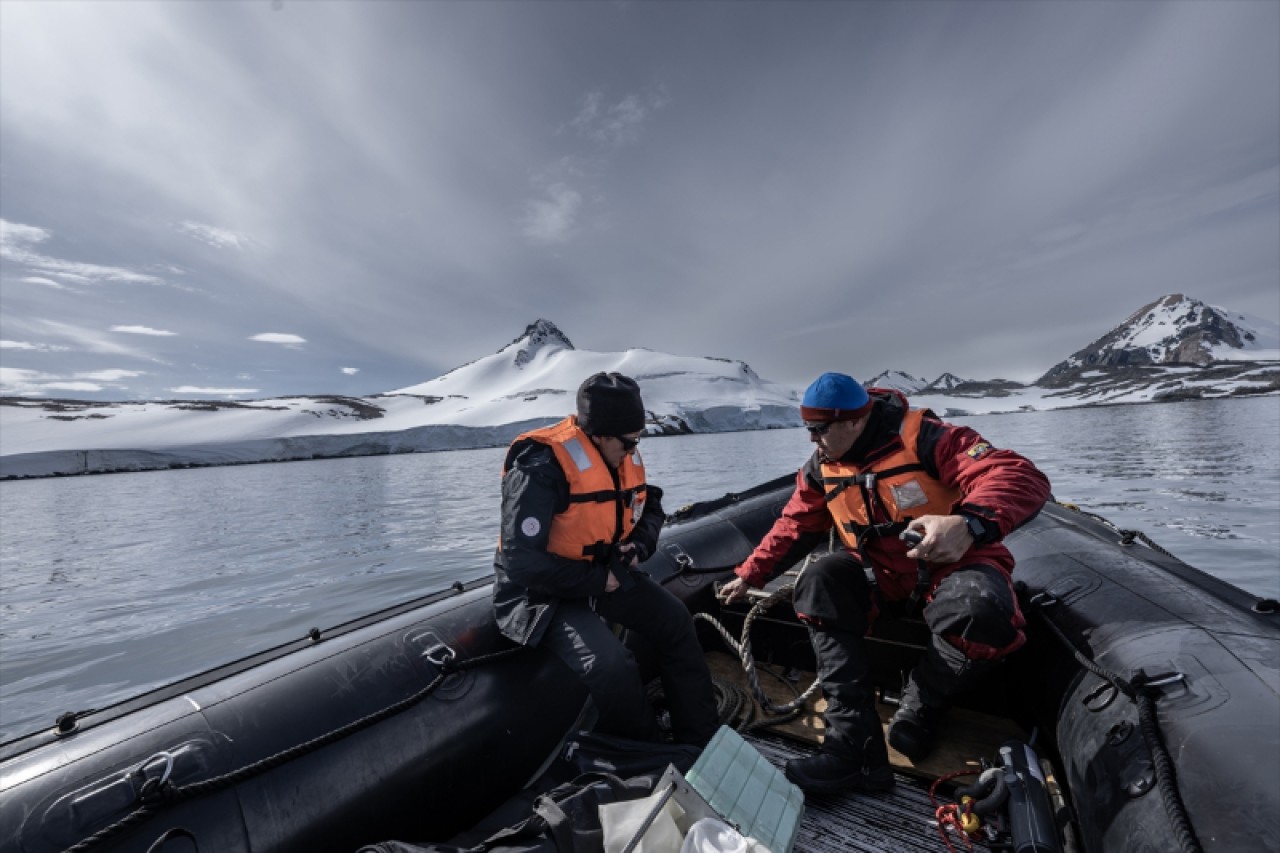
x=158 y=794
x=742 y=648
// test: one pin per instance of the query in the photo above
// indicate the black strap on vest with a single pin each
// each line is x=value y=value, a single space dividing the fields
x=866 y=484
x=626 y=496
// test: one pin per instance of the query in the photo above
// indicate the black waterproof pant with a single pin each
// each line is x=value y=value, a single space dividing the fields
x=579 y=636
x=974 y=603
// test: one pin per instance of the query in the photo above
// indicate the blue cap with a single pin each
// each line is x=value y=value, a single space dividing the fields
x=834 y=397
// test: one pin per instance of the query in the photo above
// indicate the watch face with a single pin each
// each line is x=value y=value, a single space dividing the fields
x=976 y=527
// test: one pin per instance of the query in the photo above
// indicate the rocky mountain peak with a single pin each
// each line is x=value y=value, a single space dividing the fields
x=945 y=382
x=537 y=336
x=1174 y=329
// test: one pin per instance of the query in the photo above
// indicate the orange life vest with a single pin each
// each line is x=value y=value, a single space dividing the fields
x=602 y=511
x=881 y=498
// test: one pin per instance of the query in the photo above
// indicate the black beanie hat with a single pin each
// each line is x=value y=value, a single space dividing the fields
x=610 y=404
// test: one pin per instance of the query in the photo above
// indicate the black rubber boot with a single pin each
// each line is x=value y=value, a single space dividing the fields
x=914 y=729
x=942 y=673
x=853 y=755
x=831 y=772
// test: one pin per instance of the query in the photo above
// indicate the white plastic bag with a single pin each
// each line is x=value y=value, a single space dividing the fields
x=715 y=836
x=621 y=821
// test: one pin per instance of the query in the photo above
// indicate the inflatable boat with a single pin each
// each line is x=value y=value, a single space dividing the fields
x=1144 y=714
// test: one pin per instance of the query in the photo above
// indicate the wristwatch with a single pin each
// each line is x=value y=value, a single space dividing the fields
x=977 y=527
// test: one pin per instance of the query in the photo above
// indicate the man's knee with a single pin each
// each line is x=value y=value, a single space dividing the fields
x=832 y=593
x=975 y=610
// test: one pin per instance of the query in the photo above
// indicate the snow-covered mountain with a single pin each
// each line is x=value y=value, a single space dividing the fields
x=945 y=382
x=537 y=376
x=1174 y=329
x=897 y=380
x=1153 y=356
x=530 y=382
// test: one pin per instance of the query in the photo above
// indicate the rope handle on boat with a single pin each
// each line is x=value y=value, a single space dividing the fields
x=1139 y=691
x=160 y=792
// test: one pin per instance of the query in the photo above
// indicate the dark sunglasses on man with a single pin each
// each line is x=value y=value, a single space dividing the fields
x=818 y=429
x=628 y=442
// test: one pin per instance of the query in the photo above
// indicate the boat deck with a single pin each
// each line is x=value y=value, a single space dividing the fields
x=899 y=821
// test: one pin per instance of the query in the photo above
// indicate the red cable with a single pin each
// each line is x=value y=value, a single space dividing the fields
x=948 y=815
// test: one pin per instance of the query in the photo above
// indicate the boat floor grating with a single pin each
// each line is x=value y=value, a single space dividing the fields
x=897 y=821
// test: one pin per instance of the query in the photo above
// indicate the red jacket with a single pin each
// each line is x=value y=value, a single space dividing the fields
x=1000 y=486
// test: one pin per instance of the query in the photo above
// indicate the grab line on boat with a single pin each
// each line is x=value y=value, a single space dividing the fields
x=1138 y=690
x=154 y=797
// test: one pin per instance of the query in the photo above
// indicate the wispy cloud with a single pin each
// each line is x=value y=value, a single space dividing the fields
x=17 y=240
x=46 y=282
x=282 y=338
x=219 y=238
x=86 y=340
x=552 y=219
x=22 y=382
x=351 y=371
x=89 y=387
x=143 y=330
x=213 y=392
x=25 y=345
x=619 y=123
x=109 y=375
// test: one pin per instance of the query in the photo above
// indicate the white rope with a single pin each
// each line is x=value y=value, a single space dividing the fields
x=743 y=648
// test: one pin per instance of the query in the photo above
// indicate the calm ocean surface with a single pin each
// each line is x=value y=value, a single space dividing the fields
x=111 y=585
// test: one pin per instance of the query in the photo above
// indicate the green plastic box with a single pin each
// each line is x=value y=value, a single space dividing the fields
x=747 y=791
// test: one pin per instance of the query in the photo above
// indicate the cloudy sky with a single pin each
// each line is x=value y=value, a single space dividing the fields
x=274 y=197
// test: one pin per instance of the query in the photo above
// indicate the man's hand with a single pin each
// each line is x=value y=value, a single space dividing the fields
x=622 y=559
x=734 y=591
x=626 y=552
x=946 y=538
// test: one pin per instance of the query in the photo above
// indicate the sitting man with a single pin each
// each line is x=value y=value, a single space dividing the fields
x=880 y=468
x=577 y=516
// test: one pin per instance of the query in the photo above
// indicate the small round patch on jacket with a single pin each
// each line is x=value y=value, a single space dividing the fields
x=530 y=527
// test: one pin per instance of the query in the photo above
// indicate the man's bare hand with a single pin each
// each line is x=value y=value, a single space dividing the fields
x=946 y=539
x=734 y=591
x=611 y=583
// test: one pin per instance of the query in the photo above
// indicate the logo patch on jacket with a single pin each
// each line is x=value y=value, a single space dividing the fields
x=530 y=527
x=979 y=450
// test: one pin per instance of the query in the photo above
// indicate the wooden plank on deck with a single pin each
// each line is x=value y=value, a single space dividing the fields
x=964 y=736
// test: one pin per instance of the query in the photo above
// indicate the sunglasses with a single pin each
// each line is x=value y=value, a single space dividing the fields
x=819 y=429
x=628 y=444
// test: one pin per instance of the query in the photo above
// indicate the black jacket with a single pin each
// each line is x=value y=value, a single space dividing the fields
x=529 y=580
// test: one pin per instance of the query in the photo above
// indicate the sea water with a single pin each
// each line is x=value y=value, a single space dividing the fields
x=114 y=584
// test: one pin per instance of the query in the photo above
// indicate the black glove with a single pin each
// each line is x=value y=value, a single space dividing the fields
x=619 y=565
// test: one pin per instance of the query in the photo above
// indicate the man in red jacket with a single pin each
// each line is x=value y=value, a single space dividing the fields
x=881 y=468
